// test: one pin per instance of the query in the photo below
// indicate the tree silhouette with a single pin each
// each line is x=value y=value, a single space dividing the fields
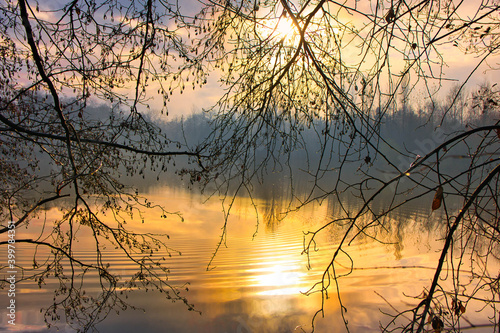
x=288 y=70
x=59 y=150
x=339 y=73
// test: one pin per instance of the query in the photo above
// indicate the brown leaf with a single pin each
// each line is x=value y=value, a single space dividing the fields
x=438 y=198
x=458 y=307
x=437 y=324
x=390 y=17
x=498 y=132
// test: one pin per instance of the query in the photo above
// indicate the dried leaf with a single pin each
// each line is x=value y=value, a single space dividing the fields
x=437 y=324
x=458 y=307
x=438 y=198
x=390 y=17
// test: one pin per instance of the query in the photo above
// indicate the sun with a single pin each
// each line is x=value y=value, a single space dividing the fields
x=281 y=28
x=285 y=28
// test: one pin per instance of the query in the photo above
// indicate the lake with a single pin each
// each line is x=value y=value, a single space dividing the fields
x=257 y=280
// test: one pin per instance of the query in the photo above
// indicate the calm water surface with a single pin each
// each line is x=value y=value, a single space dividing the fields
x=255 y=282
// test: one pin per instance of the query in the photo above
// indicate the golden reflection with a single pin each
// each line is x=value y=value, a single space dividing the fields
x=279 y=279
x=265 y=275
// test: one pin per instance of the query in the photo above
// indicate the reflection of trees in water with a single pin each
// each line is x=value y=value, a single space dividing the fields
x=312 y=105
x=275 y=198
x=273 y=213
x=456 y=187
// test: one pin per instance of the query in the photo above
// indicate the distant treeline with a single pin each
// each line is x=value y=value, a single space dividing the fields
x=407 y=132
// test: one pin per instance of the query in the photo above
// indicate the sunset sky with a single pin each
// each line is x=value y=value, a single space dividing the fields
x=457 y=67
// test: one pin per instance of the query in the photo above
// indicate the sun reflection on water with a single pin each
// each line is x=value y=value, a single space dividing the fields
x=279 y=279
x=259 y=279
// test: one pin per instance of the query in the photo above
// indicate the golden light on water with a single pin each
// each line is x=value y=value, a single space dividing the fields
x=258 y=280
x=280 y=279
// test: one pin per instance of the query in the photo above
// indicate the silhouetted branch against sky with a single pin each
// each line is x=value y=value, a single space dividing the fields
x=272 y=76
